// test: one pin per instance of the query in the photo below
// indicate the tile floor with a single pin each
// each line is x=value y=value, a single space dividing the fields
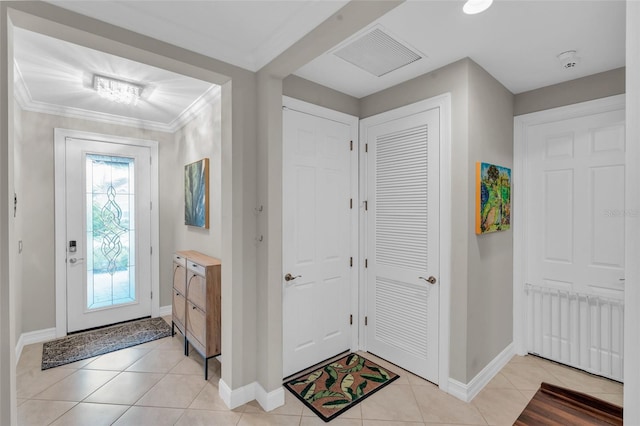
x=155 y=384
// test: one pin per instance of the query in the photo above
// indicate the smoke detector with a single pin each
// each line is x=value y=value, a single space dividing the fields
x=569 y=60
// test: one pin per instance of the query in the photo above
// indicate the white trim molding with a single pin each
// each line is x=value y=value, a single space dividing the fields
x=466 y=392
x=165 y=311
x=32 y=337
x=519 y=208
x=253 y=391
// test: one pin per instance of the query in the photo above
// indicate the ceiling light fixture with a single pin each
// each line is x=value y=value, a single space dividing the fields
x=471 y=7
x=115 y=90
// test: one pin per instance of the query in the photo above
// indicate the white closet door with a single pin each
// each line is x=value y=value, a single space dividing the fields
x=575 y=241
x=402 y=247
x=316 y=239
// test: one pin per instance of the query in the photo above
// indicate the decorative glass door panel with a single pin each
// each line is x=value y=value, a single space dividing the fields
x=108 y=226
x=110 y=223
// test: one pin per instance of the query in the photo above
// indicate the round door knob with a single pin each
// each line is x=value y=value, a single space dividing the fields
x=430 y=280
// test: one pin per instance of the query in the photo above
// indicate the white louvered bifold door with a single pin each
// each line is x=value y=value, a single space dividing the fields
x=402 y=242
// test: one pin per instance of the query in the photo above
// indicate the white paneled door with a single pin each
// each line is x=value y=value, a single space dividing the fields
x=575 y=239
x=108 y=233
x=402 y=232
x=318 y=229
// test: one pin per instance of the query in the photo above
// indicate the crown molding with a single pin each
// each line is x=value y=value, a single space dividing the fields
x=26 y=102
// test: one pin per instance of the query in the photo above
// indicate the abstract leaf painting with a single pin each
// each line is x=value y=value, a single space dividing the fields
x=493 y=198
x=196 y=194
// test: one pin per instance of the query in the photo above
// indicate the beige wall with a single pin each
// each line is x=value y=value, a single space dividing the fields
x=314 y=93
x=199 y=138
x=454 y=79
x=490 y=256
x=583 y=89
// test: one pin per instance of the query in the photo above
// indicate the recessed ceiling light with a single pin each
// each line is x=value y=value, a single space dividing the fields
x=471 y=7
x=120 y=91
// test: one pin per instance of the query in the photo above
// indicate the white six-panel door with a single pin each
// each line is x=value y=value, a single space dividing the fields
x=575 y=238
x=318 y=230
x=402 y=247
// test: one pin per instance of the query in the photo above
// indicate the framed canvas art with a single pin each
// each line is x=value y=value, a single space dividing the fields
x=196 y=194
x=493 y=198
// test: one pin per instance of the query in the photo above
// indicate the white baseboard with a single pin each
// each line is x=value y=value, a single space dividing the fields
x=164 y=311
x=237 y=397
x=466 y=392
x=32 y=337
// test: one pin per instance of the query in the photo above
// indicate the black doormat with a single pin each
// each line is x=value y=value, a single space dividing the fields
x=339 y=385
x=85 y=345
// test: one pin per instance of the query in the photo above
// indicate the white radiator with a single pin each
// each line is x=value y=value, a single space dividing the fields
x=581 y=330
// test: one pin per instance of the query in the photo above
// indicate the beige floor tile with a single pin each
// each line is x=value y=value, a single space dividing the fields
x=439 y=407
x=157 y=361
x=77 y=386
x=389 y=423
x=338 y=421
x=85 y=414
x=173 y=391
x=582 y=381
x=190 y=365
x=292 y=406
x=260 y=419
x=19 y=402
x=394 y=402
x=528 y=376
x=38 y=413
x=528 y=394
x=354 y=412
x=209 y=399
x=34 y=380
x=499 y=381
x=78 y=364
x=118 y=360
x=149 y=416
x=500 y=406
x=175 y=343
x=30 y=357
x=613 y=398
x=126 y=388
x=208 y=418
x=155 y=343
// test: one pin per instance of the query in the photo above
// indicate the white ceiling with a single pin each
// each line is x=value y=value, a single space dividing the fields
x=516 y=41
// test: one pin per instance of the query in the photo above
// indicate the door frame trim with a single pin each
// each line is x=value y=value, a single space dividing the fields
x=443 y=102
x=521 y=124
x=353 y=123
x=60 y=136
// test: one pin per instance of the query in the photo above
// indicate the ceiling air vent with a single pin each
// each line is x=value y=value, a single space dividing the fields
x=377 y=53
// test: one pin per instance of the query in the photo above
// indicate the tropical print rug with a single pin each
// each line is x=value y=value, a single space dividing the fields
x=98 y=342
x=334 y=388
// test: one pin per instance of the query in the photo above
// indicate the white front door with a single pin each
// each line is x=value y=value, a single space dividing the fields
x=108 y=233
x=318 y=244
x=402 y=232
x=575 y=241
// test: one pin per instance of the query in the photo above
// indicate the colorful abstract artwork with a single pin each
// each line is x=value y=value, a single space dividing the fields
x=196 y=194
x=493 y=198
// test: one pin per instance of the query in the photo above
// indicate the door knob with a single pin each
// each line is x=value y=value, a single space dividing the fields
x=74 y=260
x=290 y=277
x=430 y=280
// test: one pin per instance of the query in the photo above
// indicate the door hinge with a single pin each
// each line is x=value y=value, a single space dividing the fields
x=150 y=205
x=350 y=319
x=350 y=203
x=150 y=160
x=366 y=147
x=366 y=263
x=366 y=320
x=351 y=262
x=366 y=205
x=350 y=145
x=152 y=295
x=150 y=250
